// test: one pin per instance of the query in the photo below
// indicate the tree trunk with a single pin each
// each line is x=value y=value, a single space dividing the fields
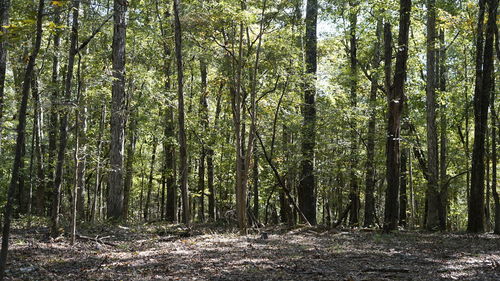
x=116 y=188
x=4 y=21
x=494 y=161
x=403 y=199
x=183 y=168
x=150 y=180
x=63 y=129
x=306 y=189
x=21 y=127
x=432 y=222
x=370 y=147
x=204 y=125
x=443 y=193
x=395 y=100
x=54 y=109
x=484 y=70
x=97 y=188
x=353 y=181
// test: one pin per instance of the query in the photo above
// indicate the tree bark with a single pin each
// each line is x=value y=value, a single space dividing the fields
x=306 y=188
x=20 y=130
x=396 y=99
x=116 y=188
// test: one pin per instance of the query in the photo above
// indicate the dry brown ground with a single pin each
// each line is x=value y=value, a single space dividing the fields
x=158 y=252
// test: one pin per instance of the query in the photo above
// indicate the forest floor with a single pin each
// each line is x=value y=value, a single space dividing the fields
x=160 y=252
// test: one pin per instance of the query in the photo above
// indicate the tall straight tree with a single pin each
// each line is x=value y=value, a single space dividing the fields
x=396 y=97
x=432 y=218
x=483 y=86
x=354 y=192
x=63 y=130
x=306 y=188
x=370 y=143
x=20 y=130
x=4 y=21
x=116 y=188
x=183 y=167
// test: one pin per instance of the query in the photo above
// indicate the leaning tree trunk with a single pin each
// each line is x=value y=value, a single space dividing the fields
x=21 y=127
x=484 y=70
x=306 y=188
x=115 y=189
x=396 y=99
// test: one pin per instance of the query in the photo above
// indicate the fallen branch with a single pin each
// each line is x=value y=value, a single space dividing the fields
x=96 y=239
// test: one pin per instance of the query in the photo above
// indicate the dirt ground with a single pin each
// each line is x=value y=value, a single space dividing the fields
x=157 y=252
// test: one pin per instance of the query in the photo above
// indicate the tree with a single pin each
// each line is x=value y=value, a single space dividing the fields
x=4 y=22
x=370 y=147
x=306 y=189
x=433 y=203
x=115 y=189
x=183 y=167
x=63 y=129
x=21 y=127
x=483 y=87
x=396 y=97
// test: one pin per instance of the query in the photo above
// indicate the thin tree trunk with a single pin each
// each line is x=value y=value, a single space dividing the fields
x=183 y=167
x=63 y=130
x=443 y=217
x=97 y=188
x=370 y=148
x=353 y=180
x=20 y=140
x=494 y=175
x=4 y=21
x=150 y=180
